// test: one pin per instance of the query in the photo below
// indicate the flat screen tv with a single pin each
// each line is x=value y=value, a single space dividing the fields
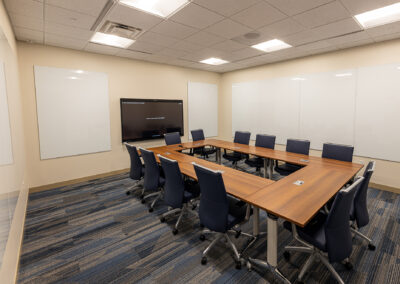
x=144 y=119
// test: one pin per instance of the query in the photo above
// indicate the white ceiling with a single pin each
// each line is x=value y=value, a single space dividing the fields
x=205 y=28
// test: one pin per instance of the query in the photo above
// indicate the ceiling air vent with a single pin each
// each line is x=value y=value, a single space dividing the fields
x=120 y=30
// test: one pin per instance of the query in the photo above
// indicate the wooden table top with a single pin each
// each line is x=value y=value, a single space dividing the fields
x=237 y=183
x=322 y=179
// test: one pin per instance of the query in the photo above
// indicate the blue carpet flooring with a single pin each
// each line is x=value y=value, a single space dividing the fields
x=93 y=232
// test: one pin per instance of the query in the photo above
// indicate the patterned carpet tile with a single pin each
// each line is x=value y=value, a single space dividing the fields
x=93 y=232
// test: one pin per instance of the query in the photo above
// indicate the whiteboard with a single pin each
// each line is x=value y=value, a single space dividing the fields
x=266 y=107
x=327 y=108
x=6 y=155
x=203 y=108
x=73 y=112
x=378 y=112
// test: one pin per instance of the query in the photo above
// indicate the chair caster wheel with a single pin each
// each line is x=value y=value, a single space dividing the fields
x=238 y=264
x=348 y=265
x=371 y=247
x=142 y=196
x=175 y=231
x=143 y=201
x=299 y=281
x=204 y=260
x=237 y=235
x=151 y=209
x=162 y=219
x=194 y=206
x=286 y=255
x=128 y=193
x=202 y=238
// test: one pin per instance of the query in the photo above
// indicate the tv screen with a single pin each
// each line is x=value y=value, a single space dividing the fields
x=143 y=119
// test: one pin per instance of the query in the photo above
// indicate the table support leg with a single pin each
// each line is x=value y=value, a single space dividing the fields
x=271 y=168
x=272 y=254
x=266 y=171
x=219 y=156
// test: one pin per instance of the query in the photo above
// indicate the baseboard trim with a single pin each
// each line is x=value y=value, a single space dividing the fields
x=75 y=181
x=385 y=187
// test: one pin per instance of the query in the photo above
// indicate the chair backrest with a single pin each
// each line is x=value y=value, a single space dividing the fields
x=214 y=208
x=136 y=164
x=337 y=225
x=172 y=138
x=298 y=146
x=360 y=199
x=174 y=185
x=197 y=134
x=242 y=137
x=151 y=170
x=338 y=152
x=266 y=141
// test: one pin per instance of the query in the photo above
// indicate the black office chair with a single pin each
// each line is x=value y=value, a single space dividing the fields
x=152 y=178
x=198 y=135
x=297 y=146
x=177 y=191
x=218 y=212
x=172 y=138
x=359 y=211
x=266 y=141
x=327 y=233
x=136 y=172
x=241 y=137
x=337 y=152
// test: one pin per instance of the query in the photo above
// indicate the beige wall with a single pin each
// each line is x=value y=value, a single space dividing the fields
x=127 y=79
x=387 y=173
x=12 y=177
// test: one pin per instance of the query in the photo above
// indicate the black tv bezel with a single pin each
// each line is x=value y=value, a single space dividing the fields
x=148 y=100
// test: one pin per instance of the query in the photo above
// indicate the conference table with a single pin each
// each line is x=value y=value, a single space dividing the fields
x=296 y=198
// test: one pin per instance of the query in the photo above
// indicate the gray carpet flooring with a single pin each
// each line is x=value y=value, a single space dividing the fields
x=93 y=232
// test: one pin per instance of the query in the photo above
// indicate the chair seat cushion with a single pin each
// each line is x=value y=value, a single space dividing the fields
x=192 y=190
x=286 y=168
x=313 y=233
x=233 y=156
x=255 y=162
x=237 y=212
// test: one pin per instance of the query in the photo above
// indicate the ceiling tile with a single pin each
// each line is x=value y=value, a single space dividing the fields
x=254 y=39
x=204 y=39
x=228 y=29
x=133 y=54
x=226 y=7
x=68 y=18
x=29 y=35
x=103 y=49
x=181 y=62
x=293 y=7
x=186 y=46
x=173 y=52
x=204 y=54
x=282 y=28
x=387 y=37
x=124 y=15
x=384 y=30
x=62 y=41
x=26 y=22
x=158 y=39
x=228 y=45
x=361 y=6
x=145 y=47
x=357 y=36
x=302 y=37
x=169 y=28
x=89 y=7
x=30 y=8
x=323 y=15
x=245 y=53
x=315 y=45
x=355 y=43
x=338 y=28
x=71 y=32
x=259 y=15
x=195 y=16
